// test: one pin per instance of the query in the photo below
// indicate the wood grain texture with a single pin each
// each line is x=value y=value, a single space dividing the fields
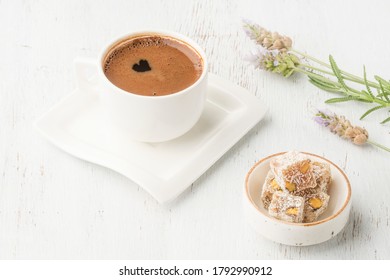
x=55 y=206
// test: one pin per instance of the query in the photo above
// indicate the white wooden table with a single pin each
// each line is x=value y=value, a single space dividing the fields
x=55 y=206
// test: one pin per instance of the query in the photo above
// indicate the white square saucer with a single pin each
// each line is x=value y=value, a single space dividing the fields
x=163 y=169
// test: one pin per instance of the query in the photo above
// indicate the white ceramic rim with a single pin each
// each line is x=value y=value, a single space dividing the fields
x=174 y=35
x=290 y=223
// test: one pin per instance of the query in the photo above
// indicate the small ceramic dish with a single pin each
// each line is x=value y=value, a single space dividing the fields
x=330 y=223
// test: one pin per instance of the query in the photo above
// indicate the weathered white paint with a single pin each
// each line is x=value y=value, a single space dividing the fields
x=55 y=206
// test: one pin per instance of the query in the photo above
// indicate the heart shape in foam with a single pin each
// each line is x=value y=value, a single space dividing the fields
x=142 y=66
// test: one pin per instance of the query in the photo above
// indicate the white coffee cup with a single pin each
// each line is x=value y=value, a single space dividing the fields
x=146 y=118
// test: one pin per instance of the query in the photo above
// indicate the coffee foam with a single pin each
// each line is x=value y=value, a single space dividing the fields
x=136 y=43
x=142 y=42
x=173 y=62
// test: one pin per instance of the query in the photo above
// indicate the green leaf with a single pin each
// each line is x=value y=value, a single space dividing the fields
x=364 y=100
x=372 y=110
x=382 y=95
x=366 y=94
x=337 y=72
x=383 y=92
x=385 y=120
x=324 y=87
x=384 y=82
x=343 y=99
x=324 y=81
x=366 y=82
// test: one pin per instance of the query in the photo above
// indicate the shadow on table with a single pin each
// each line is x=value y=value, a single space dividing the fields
x=239 y=145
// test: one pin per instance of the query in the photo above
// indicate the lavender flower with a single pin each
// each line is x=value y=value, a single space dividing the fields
x=342 y=127
x=265 y=38
x=321 y=121
x=252 y=29
x=283 y=63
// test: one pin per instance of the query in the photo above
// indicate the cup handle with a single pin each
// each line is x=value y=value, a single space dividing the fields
x=85 y=70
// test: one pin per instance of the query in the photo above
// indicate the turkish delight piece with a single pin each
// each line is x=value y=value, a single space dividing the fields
x=293 y=172
x=322 y=175
x=270 y=186
x=287 y=207
x=315 y=205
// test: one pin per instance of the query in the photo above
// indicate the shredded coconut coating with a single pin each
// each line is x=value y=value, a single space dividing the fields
x=308 y=191
x=268 y=189
x=288 y=169
x=287 y=207
x=322 y=175
x=311 y=214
